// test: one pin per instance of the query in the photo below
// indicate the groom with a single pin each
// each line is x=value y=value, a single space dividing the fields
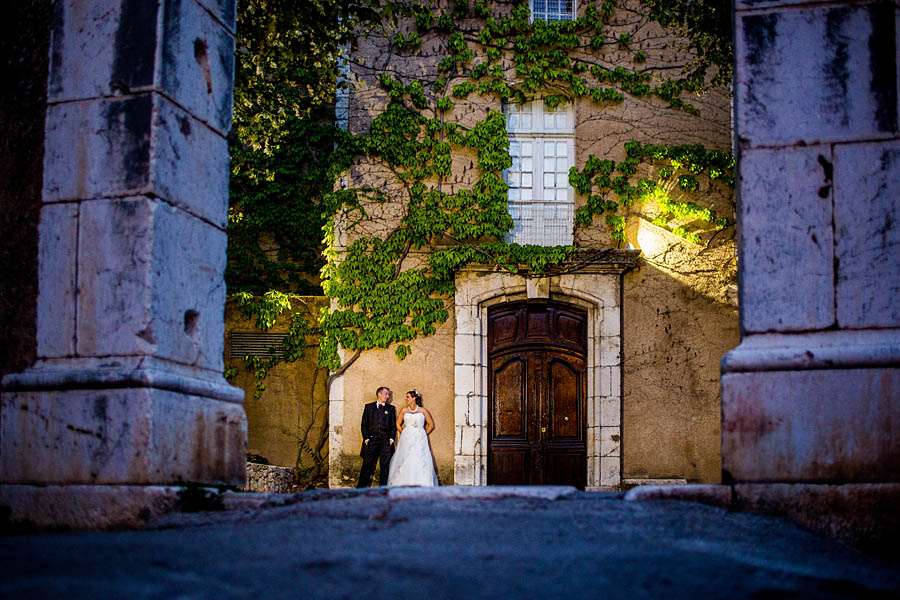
x=379 y=429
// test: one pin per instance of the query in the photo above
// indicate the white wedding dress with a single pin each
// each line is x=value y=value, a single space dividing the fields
x=412 y=463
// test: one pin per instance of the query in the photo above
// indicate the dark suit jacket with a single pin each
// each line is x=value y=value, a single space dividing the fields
x=378 y=425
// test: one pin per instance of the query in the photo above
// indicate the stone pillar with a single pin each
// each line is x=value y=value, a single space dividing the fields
x=811 y=396
x=127 y=395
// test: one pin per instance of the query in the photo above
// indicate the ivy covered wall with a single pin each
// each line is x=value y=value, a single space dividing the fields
x=415 y=191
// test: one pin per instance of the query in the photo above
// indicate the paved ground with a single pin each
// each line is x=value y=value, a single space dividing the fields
x=451 y=543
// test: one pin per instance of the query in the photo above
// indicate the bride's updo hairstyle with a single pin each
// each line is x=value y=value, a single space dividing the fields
x=415 y=394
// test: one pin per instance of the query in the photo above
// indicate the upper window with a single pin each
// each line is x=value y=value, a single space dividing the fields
x=553 y=10
x=542 y=148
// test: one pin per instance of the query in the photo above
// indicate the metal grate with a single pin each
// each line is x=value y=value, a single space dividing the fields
x=542 y=223
x=256 y=343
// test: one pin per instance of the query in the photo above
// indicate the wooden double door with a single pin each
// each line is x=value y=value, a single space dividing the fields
x=537 y=381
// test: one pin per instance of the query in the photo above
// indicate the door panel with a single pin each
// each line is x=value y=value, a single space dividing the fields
x=537 y=382
x=510 y=399
x=563 y=386
x=509 y=466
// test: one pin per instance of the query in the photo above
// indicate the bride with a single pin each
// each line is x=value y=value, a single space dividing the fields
x=412 y=463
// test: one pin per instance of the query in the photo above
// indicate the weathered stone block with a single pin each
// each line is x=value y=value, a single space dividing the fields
x=468 y=437
x=336 y=413
x=97 y=148
x=477 y=410
x=867 y=234
x=115 y=312
x=464 y=470
x=156 y=289
x=461 y=411
x=602 y=382
x=610 y=470
x=787 y=240
x=198 y=63
x=224 y=10
x=336 y=393
x=190 y=164
x=610 y=320
x=102 y=50
x=610 y=350
x=823 y=74
x=464 y=349
x=128 y=436
x=87 y=506
x=610 y=412
x=188 y=289
x=813 y=425
x=463 y=380
x=592 y=413
x=610 y=438
x=466 y=317
x=57 y=251
x=614 y=376
x=135 y=145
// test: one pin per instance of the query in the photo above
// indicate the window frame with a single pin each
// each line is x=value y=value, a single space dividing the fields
x=572 y=15
x=540 y=135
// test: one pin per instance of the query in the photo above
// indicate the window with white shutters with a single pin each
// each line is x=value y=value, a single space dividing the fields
x=542 y=147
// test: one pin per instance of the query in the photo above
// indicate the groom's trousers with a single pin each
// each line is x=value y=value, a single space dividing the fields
x=376 y=451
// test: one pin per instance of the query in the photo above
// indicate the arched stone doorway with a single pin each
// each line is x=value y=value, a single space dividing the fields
x=537 y=388
x=595 y=291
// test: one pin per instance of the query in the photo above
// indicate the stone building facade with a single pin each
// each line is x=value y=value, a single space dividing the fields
x=659 y=311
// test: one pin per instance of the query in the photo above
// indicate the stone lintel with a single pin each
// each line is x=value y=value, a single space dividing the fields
x=586 y=261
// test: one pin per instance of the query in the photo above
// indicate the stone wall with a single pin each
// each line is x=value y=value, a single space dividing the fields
x=680 y=317
x=293 y=406
x=270 y=479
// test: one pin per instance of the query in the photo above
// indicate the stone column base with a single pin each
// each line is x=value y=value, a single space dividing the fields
x=26 y=508
x=864 y=515
x=812 y=408
x=133 y=427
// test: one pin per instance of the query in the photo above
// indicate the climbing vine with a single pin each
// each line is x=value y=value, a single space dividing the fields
x=391 y=286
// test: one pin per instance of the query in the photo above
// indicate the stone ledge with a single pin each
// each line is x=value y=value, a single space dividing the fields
x=714 y=495
x=817 y=350
x=58 y=507
x=481 y=492
x=864 y=515
x=59 y=378
x=247 y=500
